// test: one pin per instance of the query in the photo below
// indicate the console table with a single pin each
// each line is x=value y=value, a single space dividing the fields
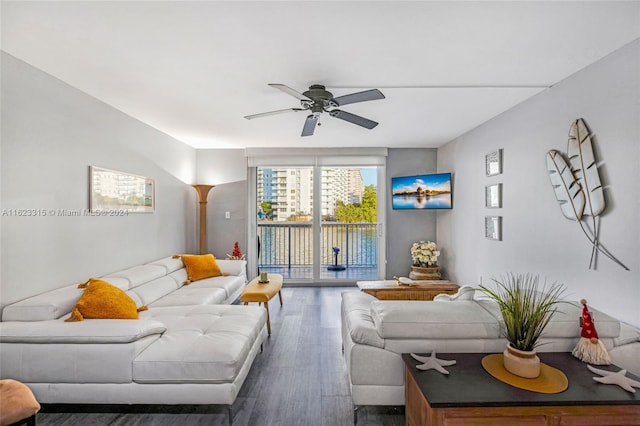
x=471 y=395
x=421 y=290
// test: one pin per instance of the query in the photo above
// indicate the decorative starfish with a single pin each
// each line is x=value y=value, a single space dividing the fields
x=615 y=378
x=432 y=362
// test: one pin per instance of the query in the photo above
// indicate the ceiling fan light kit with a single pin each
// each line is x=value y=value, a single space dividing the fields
x=318 y=100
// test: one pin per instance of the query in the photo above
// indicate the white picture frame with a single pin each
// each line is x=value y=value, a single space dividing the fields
x=111 y=190
x=493 y=227
x=493 y=196
x=493 y=162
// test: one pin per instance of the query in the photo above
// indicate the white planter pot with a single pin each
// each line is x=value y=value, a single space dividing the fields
x=521 y=363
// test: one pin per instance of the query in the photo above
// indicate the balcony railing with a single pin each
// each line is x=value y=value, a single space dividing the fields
x=289 y=244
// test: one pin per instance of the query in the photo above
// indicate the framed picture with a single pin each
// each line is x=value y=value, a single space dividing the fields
x=493 y=162
x=493 y=196
x=111 y=190
x=493 y=227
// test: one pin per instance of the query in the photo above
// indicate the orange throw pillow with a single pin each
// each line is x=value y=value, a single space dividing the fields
x=200 y=266
x=102 y=300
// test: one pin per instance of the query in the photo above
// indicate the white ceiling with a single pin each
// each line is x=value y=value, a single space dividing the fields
x=194 y=69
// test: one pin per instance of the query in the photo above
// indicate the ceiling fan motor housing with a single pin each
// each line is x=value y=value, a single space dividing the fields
x=317 y=92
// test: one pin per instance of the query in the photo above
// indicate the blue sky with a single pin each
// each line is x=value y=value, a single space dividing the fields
x=369 y=176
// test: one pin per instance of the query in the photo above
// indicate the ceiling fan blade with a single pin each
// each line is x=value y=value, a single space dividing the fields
x=309 y=125
x=290 y=91
x=367 y=95
x=352 y=118
x=264 y=114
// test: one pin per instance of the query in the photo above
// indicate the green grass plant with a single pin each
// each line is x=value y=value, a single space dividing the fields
x=526 y=309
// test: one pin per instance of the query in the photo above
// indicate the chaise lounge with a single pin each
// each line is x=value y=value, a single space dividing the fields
x=190 y=347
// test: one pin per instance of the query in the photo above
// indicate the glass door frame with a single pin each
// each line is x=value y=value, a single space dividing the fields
x=381 y=190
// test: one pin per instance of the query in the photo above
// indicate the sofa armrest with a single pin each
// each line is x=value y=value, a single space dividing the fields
x=233 y=267
x=87 y=331
x=356 y=316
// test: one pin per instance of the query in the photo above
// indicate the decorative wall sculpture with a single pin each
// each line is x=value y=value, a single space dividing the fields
x=576 y=184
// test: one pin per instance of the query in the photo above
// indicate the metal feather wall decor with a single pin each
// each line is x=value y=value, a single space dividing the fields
x=566 y=187
x=584 y=166
x=577 y=186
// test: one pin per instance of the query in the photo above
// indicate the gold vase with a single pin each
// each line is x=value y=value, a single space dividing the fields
x=521 y=363
x=425 y=273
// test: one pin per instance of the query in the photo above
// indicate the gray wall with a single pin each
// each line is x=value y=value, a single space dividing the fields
x=404 y=227
x=536 y=236
x=51 y=134
x=222 y=233
x=227 y=170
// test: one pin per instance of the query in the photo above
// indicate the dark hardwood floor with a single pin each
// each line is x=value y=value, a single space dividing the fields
x=300 y=378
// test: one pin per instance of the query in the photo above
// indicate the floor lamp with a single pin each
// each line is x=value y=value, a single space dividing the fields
x=203 y=191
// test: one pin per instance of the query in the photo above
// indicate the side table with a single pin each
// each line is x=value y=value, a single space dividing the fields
x=422 y=290
x=471 y=395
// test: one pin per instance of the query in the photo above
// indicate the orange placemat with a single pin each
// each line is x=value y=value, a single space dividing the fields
x=550 y=380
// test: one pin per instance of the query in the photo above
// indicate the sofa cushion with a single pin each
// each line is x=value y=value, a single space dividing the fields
x=433 y=320
x=202 y=344
x=47 y=306
x=628 y=335
x=138 y=274
x=170 y=264
x=101 y=300
x=153 y=290
x=463 y=293
x=236 y=267
x=230 y=284
x=565 y=322
x=89 y=331
x=189 y=295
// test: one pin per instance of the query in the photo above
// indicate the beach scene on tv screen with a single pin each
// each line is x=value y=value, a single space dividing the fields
x=422 y=191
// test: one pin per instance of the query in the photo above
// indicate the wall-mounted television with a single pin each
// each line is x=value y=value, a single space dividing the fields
x=429 y=191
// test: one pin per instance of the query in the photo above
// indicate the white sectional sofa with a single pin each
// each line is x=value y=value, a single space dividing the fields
x=376 y=332
x=190 y=347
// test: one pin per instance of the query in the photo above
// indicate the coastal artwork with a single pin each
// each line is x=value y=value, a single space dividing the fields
x=430 y=191
x=113 y=191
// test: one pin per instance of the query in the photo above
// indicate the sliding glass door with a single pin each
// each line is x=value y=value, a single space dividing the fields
x=285 y=221
x=319 y=223
x=348 y=247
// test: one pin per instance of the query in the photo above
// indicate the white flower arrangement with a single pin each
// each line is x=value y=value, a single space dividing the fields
x=424 y=254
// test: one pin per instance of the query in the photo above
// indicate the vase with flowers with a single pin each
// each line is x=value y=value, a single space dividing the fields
x=424 y=261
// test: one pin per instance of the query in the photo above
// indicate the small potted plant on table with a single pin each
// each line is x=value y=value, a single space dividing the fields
x=526 y=311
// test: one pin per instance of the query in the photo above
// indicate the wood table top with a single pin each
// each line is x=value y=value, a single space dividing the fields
x=393 y=284
x=469 y=385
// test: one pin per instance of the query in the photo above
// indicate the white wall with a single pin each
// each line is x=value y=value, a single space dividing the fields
x=218 y=166
x=51 y=134
x=536 y=237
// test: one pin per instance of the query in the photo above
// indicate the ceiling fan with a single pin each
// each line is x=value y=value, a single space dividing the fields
x=318 y=100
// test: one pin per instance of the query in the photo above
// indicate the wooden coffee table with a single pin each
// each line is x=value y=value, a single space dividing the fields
x=470 y=395
x=422 y=290
x=259 y=292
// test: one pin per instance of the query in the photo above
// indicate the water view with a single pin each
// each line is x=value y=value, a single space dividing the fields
x=439 y=201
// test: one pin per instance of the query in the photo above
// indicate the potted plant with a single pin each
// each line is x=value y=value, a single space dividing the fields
x=526 y=311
